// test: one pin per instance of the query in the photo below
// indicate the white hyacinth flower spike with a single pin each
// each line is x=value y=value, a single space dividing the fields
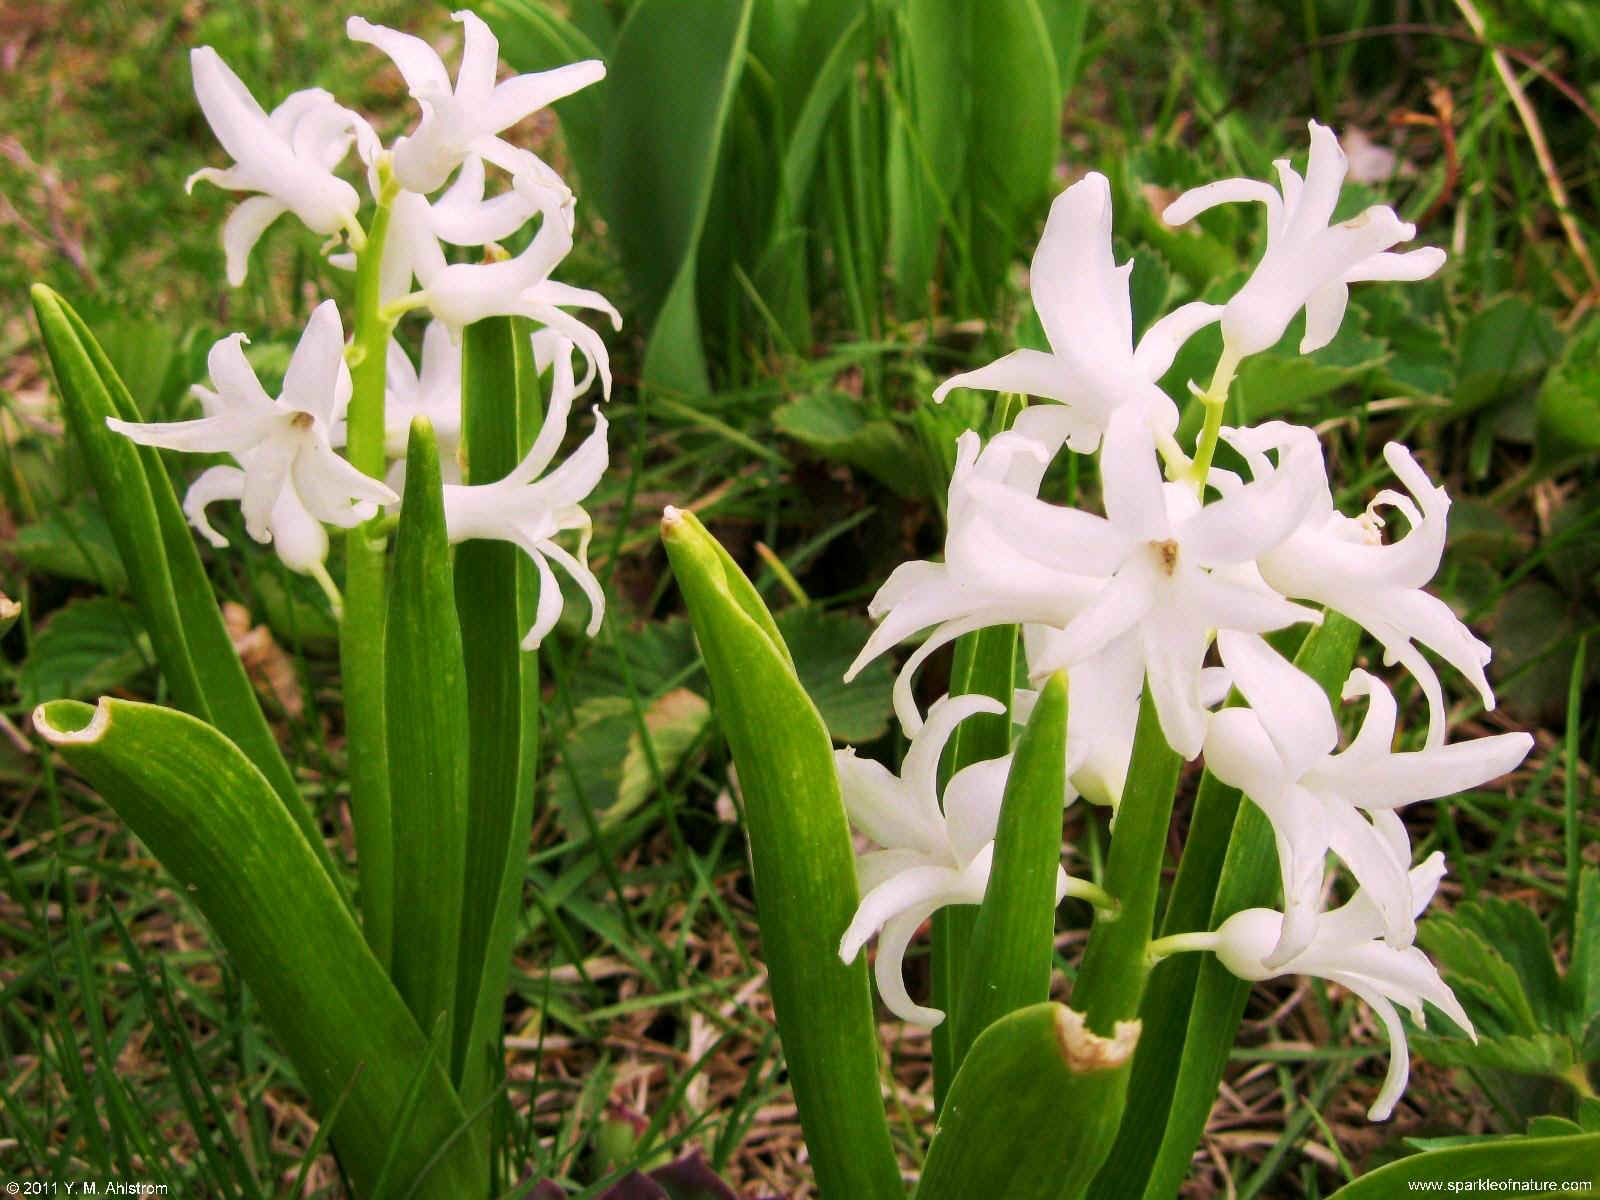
x=1344 y=563
x=1093 y=367
x=1308 y=262
x=529 y=511
x=1280 y=752
x=1348 y=950
x=287 y=157
x=468 y=116
x=288 y=467
x=928 y=857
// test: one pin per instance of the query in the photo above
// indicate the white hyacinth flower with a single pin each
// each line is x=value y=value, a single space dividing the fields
x=1348 y=950
x=1308 y=263
x=529 y=511
x=467 y=116
x=1169 y=570
x=288 y=157
x=288 y=468
x=1280 y=752
x=991 y=573
x=433 y=391
x=1081 y=296
x=459 y=294
x=928 y=857
x=1343 y=563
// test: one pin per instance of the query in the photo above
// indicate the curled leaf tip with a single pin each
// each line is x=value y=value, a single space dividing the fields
x=670 y=516
x=1086 y=1051
x=68 y=726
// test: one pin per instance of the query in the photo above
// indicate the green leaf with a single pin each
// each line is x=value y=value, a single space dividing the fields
x=1279 y=383
x=802 y=865
x=1475 y=966
x=75 y=543
x=1569 y=402
x=838 y=427
x=672 y=79
x=1031 y=1110
x=823 y=645
x=1517 y=934
x=494 y=598
x=215 y=823
x=1538 y=1054
x=86 y=648
x=1008 y=957
x=1583 y=977
x=988 y=136
x=1504 y=346
x=1563 y=1160
x=426 y=697
x=157 y=551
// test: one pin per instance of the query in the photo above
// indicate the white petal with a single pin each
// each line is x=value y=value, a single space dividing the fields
x=1324 y=314
x=422 y=69
x=211 y=485
x=1225 y=191
x=1029 y=372
x=1400 y=779
x=1162 y=341
x=1078 y=290
x=972 y=802
x=920 y=768
x=243 y=229
x=1130 y=472
x=480 y=58
x=1413 y=264
x=1292 y=707
x=312 y=380
x=526 y=94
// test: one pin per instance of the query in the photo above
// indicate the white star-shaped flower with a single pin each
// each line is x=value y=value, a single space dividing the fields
x=467 y=116
x=529 y=511
x=1280 y=752
x=1343 y=563
x=1081 y=296
x=288 y=157
x=1348 y=950
x=288 y=469
x=1308 y=263
x=929 y=857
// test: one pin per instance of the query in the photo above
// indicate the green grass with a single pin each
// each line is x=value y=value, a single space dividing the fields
x=131 y=1049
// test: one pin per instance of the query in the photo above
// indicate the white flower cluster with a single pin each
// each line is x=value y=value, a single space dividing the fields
x=1187 y=560
x=290 y=479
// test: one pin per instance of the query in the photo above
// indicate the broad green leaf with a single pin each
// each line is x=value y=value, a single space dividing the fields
x=86 y=648
x=1478 y=969
x=1565 y=1160
x=986 y=114
x=1538 y=1054
x=823 y=645
x=838 y=427
x=157 y=551
x=1031 y=1110
x=802 y=865
x=500 y=399
x=215 y=823
x=426 y=698
x=672 y=80
x=1282 y=383
x=75 y=543
x=1569 y=401
x=1503 y=346
x=1012 y=944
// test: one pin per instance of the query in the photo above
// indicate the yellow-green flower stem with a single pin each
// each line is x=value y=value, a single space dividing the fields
x=1179 y=943
x=1214 y=399
x=361 y=631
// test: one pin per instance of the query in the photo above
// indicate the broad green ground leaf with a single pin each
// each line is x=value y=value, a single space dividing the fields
x=823 y=645
x=1570 y=1161
x=802 y=865
x=426 y=698
x=214 y=822
x=672 y=79
x=838 y=427
x=86 y=648
x=1505 y=345
x=1031 y=1110
x=1569 y=401
x=75 y=543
